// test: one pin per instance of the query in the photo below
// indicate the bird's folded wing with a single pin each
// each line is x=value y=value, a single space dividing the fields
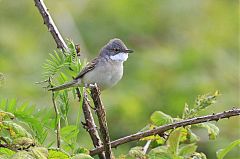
x=90 y=66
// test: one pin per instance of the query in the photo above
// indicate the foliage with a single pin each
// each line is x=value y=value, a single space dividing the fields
x=25 y=114
x=23 y=128
x=222 y=152
x=182 y=49
x=60 y=68
x=180 y=143
x=15 y=137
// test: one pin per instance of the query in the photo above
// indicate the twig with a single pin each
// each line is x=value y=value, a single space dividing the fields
x=145 y=148
x=161 y=129
x=90 y=125
x=58 y=126
x=101 y=114
x=48 y=21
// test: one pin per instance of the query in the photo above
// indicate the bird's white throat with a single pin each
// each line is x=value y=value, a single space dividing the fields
x=120 y=57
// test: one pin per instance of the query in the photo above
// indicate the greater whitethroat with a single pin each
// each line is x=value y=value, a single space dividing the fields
x=106 y=70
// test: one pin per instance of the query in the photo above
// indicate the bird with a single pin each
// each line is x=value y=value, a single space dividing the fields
x=106 y=70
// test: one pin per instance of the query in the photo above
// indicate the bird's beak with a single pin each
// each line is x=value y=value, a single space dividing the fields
x=128 y=51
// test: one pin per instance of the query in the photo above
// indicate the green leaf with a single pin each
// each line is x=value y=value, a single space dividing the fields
x=212 y=129
x=82 y=156
x=191 y=137
x=15 y=130
x=55 y=154
x=82 y=150
x=69 y=134
x=3 y=104
x=53 y=64
x=12 y=105
x=222 y=152
x=22 y=155
x=173 y=141
x=137 y=152
x=39 y=152
x=160 y=152
x=69 y=131
x=159 y=118
x=187 y=149
x=4 y=115
x=6 y=152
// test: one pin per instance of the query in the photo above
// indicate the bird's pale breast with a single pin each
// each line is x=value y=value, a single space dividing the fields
x=105 y=74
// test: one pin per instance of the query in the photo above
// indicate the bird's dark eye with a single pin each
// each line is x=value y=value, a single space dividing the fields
x=116 y=49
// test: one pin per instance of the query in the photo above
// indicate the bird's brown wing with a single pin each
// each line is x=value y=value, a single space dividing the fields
x=90 y=66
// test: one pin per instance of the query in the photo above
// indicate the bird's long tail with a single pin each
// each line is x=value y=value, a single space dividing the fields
x=64 y=86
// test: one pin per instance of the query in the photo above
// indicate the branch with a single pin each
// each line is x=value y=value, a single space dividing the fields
x=48 y=21
x=58 y=126
x=162 y=129
x=101 y=114
x=90 y=125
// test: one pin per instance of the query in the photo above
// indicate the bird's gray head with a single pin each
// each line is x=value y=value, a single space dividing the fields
x=116 y=50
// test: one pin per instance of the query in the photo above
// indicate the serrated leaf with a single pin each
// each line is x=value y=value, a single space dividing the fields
x=212 y=129
x=159 y=118
x=173 y=141
x=55 y=154
x=187 y=149
x=222 y=152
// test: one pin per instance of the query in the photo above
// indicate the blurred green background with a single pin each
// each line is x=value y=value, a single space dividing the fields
x=183 y=48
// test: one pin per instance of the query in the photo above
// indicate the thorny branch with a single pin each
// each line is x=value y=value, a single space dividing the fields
x=162 y=129
x=101 y=114
x=90 y=125
x=48 y=21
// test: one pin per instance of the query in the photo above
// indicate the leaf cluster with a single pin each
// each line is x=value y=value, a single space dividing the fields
x=179 y=143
